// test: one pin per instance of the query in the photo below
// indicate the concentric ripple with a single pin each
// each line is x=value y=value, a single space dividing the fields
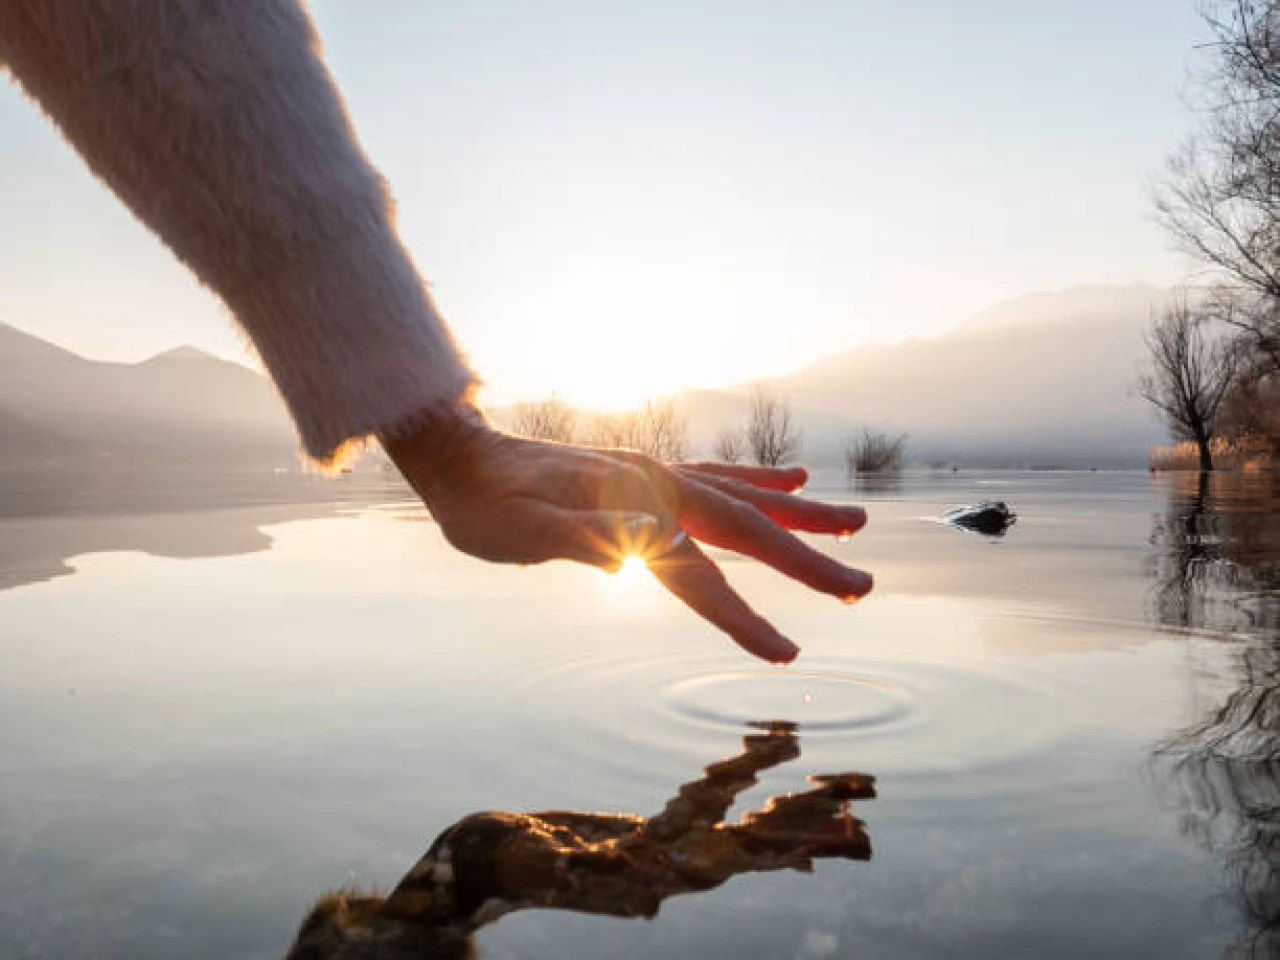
x=828 y=701
x=929 y=688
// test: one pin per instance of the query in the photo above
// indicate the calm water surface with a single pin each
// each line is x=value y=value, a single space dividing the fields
x=209 y=717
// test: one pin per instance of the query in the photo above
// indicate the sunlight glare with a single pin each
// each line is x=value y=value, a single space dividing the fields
x=632 y=570
x=628 y=580
x=615 y=330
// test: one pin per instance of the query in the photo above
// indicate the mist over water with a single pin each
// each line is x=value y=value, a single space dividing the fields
x=1073 y=729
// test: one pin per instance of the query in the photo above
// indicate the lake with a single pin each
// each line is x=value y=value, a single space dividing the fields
x=211 y=715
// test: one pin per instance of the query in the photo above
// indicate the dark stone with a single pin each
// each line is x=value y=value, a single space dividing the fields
x=991 y=518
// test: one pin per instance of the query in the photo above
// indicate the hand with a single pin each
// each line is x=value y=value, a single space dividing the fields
x=493 y=863
x=511 y=500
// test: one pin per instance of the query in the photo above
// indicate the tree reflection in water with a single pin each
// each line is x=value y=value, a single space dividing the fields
x=882 y=486
x=490 y=864
x=1217 y=569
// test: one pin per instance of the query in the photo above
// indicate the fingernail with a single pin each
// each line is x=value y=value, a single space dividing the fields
x=774 y=647
x=860 y=585
x=784 y=651
x=856 y=520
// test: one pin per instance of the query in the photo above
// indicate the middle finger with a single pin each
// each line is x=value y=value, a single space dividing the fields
x=786 y=509
x=721 y=521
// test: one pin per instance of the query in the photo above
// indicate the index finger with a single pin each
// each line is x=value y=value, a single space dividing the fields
x=785 y=479
x=691 y=575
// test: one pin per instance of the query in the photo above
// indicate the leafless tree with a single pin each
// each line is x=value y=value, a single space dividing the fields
x=873 y=452
x=665 y=430
x=551 y=419
x=772 y=434
x=730 y=445
x=1191 y=371
x=1221 y=201
x=658 y=428
x=615 y=430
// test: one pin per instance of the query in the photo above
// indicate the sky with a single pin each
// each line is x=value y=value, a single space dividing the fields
x=616 y=200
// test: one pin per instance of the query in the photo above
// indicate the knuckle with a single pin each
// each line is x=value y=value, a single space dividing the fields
x=665 y=483
x=627 y=485
x=745 y=513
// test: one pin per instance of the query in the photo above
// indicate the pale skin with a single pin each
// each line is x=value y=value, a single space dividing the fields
x=507 y=499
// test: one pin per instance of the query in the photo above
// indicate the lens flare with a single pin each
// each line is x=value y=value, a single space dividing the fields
x=632 y=569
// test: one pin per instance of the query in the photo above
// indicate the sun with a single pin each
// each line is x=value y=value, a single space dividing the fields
x=632 y=570
x=628 y=580
x=613 y=332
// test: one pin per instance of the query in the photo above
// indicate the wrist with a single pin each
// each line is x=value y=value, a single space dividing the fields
x=432 y=444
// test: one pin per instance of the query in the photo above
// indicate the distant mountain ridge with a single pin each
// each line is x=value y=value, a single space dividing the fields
x=1042 y=379
x=181 y=408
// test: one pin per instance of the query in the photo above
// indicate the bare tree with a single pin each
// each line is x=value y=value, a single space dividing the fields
x=551 y=419
x=1190 y=374
x=659 y=428
x=615 y=430
x=664 y=430
x=1222 y=199
x=730 y=445
x=873 y=452
x=772 y=434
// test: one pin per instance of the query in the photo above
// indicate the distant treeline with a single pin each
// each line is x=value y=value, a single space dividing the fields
x=769 y=434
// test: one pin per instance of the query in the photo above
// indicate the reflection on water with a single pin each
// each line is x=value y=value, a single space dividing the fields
x=211 y=517
x=1219 y=572
x=491 y=864
x=877 y=485
x=191 y=750
x=1217 y=562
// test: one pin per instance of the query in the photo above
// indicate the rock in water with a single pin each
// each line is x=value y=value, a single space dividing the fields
x=990 y=517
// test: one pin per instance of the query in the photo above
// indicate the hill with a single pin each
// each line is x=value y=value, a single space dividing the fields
x=181 y=409
x=1043 y=379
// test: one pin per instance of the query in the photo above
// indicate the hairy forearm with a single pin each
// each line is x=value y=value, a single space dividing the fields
x=218 y=125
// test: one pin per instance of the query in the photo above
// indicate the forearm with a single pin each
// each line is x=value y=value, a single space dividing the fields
x=219 y=126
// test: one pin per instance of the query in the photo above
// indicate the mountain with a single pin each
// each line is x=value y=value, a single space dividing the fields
x=180 y=409
x=1046 y=379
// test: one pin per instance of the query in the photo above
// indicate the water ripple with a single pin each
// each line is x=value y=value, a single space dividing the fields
x=906 y=715
x=829 y=702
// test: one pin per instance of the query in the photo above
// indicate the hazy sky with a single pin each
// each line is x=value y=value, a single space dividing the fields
x=612 y=199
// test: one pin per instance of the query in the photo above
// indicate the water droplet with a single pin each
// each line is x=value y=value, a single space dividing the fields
x=844 y=536
x=808 y=697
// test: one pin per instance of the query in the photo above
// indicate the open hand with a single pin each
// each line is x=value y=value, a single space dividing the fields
x=512 y=500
